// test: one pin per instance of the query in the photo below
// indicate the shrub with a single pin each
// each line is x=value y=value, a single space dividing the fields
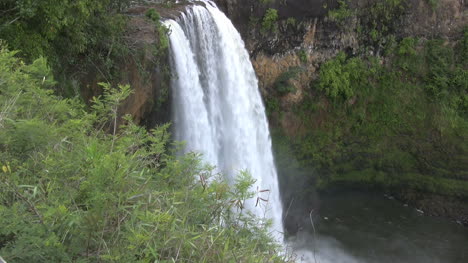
x=340 y=14
x=70 y=191
x=379 y=20
x=282 y=83
x=302 y=54
x=340 y=78
x=70 y=34
x=291 y=21
x=153 y=15
x=269 y=22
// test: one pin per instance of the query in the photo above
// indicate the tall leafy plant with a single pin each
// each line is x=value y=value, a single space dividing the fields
x=72 y=191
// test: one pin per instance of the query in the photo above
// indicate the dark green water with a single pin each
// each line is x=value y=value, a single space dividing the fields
x=360 y=227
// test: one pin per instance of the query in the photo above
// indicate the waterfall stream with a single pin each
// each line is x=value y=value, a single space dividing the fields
x=218 y=110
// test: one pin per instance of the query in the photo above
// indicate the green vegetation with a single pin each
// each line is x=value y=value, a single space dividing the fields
x=302 y=54
x=397 y=119
x=83 y=41
x=282 y=83
x=379 y=20
x=272 y=105
x=269 y=21
x=291 y=21
x=70 y=34
x=266 y=2
x=340 y=14
x=160 y=50
x=153 y=15
x=375 y=23
x=163 y=44
x=399 y=122
x=433 y=3
x=74 y=188
x=339 y=77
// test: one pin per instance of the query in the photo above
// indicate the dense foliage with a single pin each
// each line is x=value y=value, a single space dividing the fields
x=399 y=122
x=76 y=36
x=73 y=188
x=59 y=29
x=269 y=21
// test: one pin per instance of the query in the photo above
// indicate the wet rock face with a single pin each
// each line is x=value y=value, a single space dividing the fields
x=241 y=11
x=146 y=77
x=247 y=15
x=420 y=19
x=144 y=69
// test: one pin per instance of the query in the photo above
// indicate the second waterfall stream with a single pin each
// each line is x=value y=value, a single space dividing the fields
x=217 y=106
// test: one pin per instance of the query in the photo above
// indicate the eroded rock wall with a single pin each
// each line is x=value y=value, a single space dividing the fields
x=318 y=38
x=313 y=38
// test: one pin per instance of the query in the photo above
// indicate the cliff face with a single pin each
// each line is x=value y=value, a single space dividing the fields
x=321 y=38
x=314 y=38
x=241 y=12
x=307 y=42
x=147 y=73
x=287 y=59
x=140 y=68
x=145 y=67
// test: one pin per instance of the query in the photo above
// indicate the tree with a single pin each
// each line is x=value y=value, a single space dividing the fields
x=60 y=30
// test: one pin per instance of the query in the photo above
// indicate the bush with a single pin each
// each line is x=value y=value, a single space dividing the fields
x=153 y=15
x=70 y=34
x=340 y=78
x=379 y=20
x=282 y=83
x=302 y=54
x=407 y=57
x=291 y=21
x=269 y=22
x=71 y=191
x=340 y=14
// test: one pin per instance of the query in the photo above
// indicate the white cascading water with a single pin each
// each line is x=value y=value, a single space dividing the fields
x=218 y=110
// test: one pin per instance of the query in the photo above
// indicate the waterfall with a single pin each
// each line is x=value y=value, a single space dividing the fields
x=218 y=109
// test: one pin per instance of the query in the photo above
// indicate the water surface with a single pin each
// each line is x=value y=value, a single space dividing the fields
x=363 y=227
